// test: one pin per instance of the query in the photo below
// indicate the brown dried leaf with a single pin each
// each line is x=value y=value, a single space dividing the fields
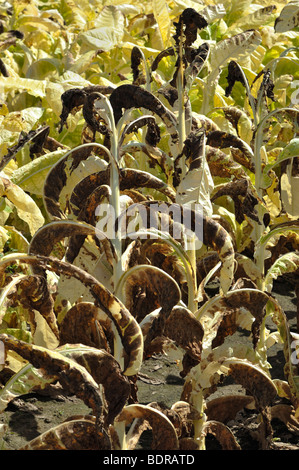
x=240 y=151
x=243 y=197
x=183 y=328
x=127 y=327
x=74 y=99
x=74 y=378
x=225 y=408
x=164 y=434
x=132 y=96
x=223 y=435
x=81 y=325
x=106 y=371
x=129 y=178
x=78 y=434
x=33 y=294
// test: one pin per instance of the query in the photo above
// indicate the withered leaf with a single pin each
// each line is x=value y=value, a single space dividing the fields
x=77 y=434
x=221 y=139
x=106 y=371
x=129 y=178
x=234 y=75
x=129 y=330
x=223 y=165
x=192 y=22
x=50 y=234
x=24 y=139
x=166 y=53
x=132 y=96
x=225 y=408
x=136 y=60
x=209 y=231
x=148 y=288
x=243 y=197
x=223 y=435
x=81 y=325
x=74 y=378
x=57 y=179
x=164 y=434
x=254 y=380
x=183 y=328
x=33 y=294
x=75 y=98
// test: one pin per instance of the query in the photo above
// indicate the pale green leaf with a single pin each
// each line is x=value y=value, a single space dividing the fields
x=108 y=32
x=33 y=87
x=288 y=18
x=291 y=150
x=31 y=177
x=234 y=48
x=286 y=263
x=26 y=207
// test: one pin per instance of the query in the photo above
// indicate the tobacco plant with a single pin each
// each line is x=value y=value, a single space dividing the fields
x=175 y=111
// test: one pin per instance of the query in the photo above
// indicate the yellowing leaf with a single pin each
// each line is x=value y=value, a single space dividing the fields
x=109 y=30
x=161 y=13
x=33 y=87
x=288 y=18
x=26 y=207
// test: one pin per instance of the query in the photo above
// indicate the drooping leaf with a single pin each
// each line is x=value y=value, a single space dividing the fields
x=75 y=434
x=289 y=262
x=127 y=327
x=234 y=47
x=26 y=207
x=288 y=18
x=73 y=377
x=164 y=434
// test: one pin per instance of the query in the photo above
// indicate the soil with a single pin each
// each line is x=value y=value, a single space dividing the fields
x=27 y=416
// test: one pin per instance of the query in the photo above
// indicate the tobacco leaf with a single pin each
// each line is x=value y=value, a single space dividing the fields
x=125 y=323
x=148 y=288
x=27 y=209
x=243 y=197
x=166 y=53
x=81 y=324
x=129 y=178
x=223 y=435
x=252 y=300
x=75 y=98
x=24 y=139
x=208 y=230
x=136 y=60
x=183 y=328
x=152 y=136
x=164 y=434
x=77 y=434
x=263 y=390
x=288 y=18
x=132 y=96
x=32 y=292
x=190 y=21
x=106 y=371
x=74 y=378
x=224 y=409
x=234 y=75
x=240 y=151
x=62 y=178
x=44 y=241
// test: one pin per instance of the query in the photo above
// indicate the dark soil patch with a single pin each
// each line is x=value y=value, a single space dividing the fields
x=30 y=415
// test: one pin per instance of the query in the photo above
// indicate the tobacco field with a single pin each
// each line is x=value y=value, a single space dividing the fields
x=149 y=179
